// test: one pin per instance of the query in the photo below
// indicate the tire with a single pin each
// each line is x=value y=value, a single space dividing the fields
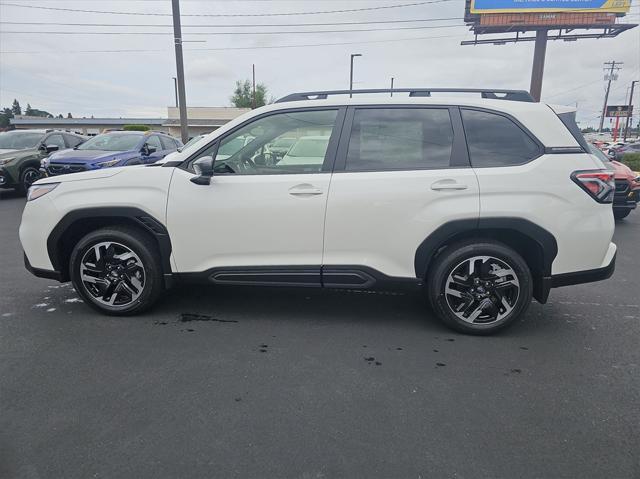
x=483 y=302
x=27 y=177
x=117 y=270
x=621 y=214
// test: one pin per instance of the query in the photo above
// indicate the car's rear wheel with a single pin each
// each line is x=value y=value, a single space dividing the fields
x=116 y=270
x=621 y=214
x=479 y=287
x=28 y=176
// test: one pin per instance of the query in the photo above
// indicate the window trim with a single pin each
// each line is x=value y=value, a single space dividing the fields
x=329 y=157
x=524 y=129
x=459 y=153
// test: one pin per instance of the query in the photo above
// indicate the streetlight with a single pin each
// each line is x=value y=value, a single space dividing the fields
x=351 y=74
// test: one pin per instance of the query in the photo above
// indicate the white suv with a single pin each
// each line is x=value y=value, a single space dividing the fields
x=483 y=200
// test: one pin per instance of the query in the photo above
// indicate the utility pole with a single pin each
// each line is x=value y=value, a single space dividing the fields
x=253 y=95
x=391 y=86
x=537 y=70
x=175 y=87
x=626 y=127
x=612 y=67
x=351 y=74
x=182 y=100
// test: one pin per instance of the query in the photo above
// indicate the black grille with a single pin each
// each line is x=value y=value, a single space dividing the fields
x=622 y=186
x=63 y=169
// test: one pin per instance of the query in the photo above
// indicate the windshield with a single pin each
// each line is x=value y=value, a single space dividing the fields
x=283 y=143
x=230 y=147
x=19 y=140
x=112 y=142
x=309 y=148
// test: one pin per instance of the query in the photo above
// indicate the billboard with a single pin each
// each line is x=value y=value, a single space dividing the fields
x=538 y=6
x=619 y=111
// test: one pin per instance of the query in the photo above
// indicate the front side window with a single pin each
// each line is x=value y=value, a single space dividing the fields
x=56 y=140
x=73 y=141
x=154 y=142
x=400 y=139
x=495 y=140
x=260 y=147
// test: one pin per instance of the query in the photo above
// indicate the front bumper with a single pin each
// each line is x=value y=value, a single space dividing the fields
x=42 y=273
x=6 y=179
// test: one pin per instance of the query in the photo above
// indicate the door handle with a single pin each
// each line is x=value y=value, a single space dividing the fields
x=305 y=190
x=448 y=184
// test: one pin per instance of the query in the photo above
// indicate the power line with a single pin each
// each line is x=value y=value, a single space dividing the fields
x=235 y=33
x=303 y=45
x=110 y=12
x=168 y=25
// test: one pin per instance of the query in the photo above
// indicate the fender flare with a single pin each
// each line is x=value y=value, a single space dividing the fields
x=141 y=218
x=448 y=231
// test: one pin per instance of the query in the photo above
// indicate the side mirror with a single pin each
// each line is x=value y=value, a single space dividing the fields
x=204 y=169
x=148 y=150
x=50 y=148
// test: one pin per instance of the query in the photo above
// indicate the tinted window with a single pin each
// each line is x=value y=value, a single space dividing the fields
x=154 y=142
x=495 y=140
x=254 y=149
x=167 y=143
x=56 y=140
x=73 y=140
x=400 y=138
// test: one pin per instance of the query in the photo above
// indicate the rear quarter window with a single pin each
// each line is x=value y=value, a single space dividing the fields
x=496 y=140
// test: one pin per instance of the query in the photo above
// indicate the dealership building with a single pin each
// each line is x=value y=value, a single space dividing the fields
x=200 y=120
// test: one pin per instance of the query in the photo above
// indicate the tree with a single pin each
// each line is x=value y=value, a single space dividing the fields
x=243 y=95
x=5 y=115
x=15 y=108
x=136 y=128
x=28 y=111
x=69 y=115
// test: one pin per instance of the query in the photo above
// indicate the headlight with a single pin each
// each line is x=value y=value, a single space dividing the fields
x=36 y=191
x=45 y=162
x=4 y=161
x=107 y=164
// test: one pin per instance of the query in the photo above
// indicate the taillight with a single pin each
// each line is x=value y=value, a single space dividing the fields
x=599 y=184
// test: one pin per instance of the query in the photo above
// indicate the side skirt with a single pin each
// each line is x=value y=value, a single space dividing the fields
x=334 y=277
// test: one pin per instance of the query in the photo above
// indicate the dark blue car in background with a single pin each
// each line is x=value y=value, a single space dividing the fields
x=116 y=148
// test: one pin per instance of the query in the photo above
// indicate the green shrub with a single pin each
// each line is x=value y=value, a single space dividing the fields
x=632 y=160
x=136 y=128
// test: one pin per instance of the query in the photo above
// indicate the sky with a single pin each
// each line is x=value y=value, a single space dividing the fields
x=122 y=70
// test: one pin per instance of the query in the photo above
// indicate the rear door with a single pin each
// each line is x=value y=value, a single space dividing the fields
x=401 y=172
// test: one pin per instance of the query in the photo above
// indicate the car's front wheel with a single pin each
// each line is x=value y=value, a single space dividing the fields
x=116 y=270
x=28 y=176
x=479 y=287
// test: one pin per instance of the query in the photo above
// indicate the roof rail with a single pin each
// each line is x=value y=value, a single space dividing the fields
x=495 y=94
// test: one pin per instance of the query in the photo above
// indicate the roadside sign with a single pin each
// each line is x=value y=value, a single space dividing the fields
x=618 y=111
x=521 y=6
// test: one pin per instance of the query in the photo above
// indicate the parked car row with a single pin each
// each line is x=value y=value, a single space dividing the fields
x=28 y=155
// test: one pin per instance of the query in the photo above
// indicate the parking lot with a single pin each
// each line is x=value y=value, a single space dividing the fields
x=305 y=383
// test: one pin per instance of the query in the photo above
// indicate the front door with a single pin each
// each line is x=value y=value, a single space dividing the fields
x=261 y=219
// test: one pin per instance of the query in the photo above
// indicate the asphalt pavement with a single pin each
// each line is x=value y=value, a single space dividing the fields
x=297 y=383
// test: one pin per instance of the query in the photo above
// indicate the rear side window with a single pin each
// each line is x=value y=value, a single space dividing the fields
x=495 y=140
x=400 y=139
x=569 y=120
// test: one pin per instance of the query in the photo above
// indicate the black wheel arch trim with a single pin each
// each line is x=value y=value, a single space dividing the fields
x=449 y=231
x=140 y=217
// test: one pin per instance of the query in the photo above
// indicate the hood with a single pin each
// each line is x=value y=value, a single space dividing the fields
x=83 y=175
x=622 y=171
x=16 y=153
x=4 y=151
x=85 y=156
